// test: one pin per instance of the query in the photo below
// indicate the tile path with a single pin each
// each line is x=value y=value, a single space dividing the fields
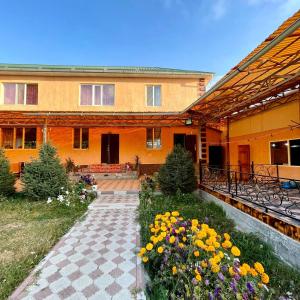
x=96 y=259
x=119 y=185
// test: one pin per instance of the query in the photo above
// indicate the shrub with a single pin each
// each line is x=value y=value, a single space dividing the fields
x=70 y=165
x=190 y=260
x=178 y=173
x=45 y=176
x=7 y=178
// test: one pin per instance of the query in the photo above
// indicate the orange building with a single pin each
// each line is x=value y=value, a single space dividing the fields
x=97 y=115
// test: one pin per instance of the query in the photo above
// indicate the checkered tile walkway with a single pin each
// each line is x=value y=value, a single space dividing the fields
x=119 y=185
x=95 y=260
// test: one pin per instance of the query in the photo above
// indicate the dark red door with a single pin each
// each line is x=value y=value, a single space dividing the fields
x=110 y=148
x=191 y=145
x=244 y=161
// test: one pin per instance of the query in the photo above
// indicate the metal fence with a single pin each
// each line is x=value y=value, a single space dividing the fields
x=272 y=193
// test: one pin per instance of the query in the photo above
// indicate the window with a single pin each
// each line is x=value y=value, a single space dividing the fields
x=153 y=95
x=19 y=138
x=103 y=94
x=295 y=152
x=81 y=138
x=153 y=138
x=279 y=153
x=20 y=93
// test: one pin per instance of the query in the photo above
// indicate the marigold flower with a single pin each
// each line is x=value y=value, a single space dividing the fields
x=195 y=222
x=173 y=220
x=259 y=268
x=243 y=271
x=167 y=214
x=160 y=249
x=253 y=272
x=143 y=251
x=175 y=213
x=181 y=245
x=184 y=239
x=149 y=246
x=226 y=244
x=221 y=254
x=174 y=270
x=196 y=253
x=231 y=271
x=226 y=236
x=204 y=264
x=211 y=248
x=246 y=267
x=145 y=259
x=265 y=278
x=199 y=243
x=215 y=268
x=235 y=251
x=172 y=239
x=201 y=234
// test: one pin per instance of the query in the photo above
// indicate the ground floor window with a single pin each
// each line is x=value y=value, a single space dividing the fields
x=18 y=138
x=285 y=152
x=81 y=138
x=153 y=139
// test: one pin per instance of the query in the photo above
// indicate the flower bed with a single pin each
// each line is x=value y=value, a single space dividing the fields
x=196 y=262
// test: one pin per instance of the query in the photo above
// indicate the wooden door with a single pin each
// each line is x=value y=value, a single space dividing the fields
x=191 y=145
x=244 y=161
x=179 y=139
x=110 y=148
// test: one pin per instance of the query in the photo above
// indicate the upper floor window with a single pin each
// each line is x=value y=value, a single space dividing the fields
x=92 y=94
x=20 y=93
x=19 y=138
x=153 y=138
x=153 y=95
x=81 y=138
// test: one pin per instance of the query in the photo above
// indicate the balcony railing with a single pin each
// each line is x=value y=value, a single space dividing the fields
x=271 y=193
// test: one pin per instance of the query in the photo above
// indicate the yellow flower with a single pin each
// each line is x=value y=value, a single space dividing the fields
x=200 y=244
x=149 y=246
x=216 y=244
x=221 y=254
x=204 y=226
x=194 y=228
x=172 y=239
x=215 y=268
x=265 y=278
x=167 y=214
x=235 y=251
x=231 y=271
x=226 y=244
x=184 y=239
x=196 y=253
x=198 y=277
x=153 y=230
x=201 y=234
x=203 y=264
x=243 y=271
x=226 y=236
x=246 y=267
x=160 y=238
x=163 y=234
x=145 y=259
x=195 y=222
x=163 y=228
x=211 y=248
x=173 y=220
x=174 y=270
x=160 y=249
x=143 y=251
x=253 y=272
x=181 y=245
x=175 y=213
x=259 y=268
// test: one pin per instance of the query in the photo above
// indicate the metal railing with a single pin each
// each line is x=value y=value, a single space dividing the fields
x=267 y=192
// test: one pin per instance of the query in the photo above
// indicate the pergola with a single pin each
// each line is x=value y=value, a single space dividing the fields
x=269 y=76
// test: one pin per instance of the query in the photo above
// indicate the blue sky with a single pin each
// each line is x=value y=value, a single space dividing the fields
x=208 y=35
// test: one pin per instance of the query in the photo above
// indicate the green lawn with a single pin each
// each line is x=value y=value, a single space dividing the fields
x=28 y=230
x=283 y=278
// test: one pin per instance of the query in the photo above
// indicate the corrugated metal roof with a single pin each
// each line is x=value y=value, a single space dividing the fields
x=98 y=69
x=271 y=68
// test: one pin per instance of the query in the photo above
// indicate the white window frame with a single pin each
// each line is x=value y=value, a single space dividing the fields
x=17 y=93
x=153 y=100
x=288 y=151
x=93 y=94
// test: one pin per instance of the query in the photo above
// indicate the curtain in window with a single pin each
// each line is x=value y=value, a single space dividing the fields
x=149 y=138
x=97 y=95
x=150 y=95
x=32 y=94
x=19 y=138
x=85 y=138
x=157 y=138
x=76 y=142
x=86 y=95
x=108 y=94
x=7 y=138
x=21 y=92
x=157 y=95
x=9 y=93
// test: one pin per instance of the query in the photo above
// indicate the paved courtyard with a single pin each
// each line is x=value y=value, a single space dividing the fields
x=96 y=259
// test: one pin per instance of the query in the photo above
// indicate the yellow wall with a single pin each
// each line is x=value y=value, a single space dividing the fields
x=63 y=93
x=132 y=142
x=261 y=129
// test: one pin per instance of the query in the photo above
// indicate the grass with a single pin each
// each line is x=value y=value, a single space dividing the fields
x=28 y=230
x=283 y=278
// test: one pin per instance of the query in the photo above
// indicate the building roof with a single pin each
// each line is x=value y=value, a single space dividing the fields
x=267 y=77
x=101 y=70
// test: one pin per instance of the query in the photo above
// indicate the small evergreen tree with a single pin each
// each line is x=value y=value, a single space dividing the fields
x=45 y=176
x=7 y=178
x=178 y=173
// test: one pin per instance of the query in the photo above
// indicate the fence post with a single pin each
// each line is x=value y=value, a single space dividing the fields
x=236 y=184
x=252 y=169
x=228 y=181
x=277 y=172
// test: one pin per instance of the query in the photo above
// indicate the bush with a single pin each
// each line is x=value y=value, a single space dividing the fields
x=7 y=178
x=45 y=176
x=178 y=173
x=70 y=165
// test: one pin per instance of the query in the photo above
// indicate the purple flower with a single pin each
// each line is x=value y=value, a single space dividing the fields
x=206 y=219
x=194 y=281
x=245 y=296
x=217 y=291
x=210 y=296
x=221 y=276
x=224 y=269
x=199 y=269
x=233 y=286
x=250 y=288
x=237 y=277
x=206 y=282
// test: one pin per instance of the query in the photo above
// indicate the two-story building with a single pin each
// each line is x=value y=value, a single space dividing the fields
x=97 y=115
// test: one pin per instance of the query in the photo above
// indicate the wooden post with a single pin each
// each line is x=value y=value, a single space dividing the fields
x=45 y=129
